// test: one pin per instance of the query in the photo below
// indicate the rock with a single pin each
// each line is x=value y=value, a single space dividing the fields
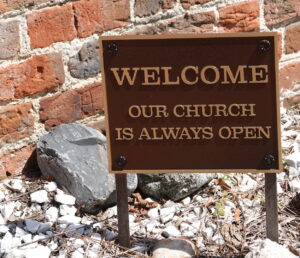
x=166 y=214
x=295 y=185
x=2 y=196
x=172 y=231
x=34 y=226
x=293 y=172
x=65 y=199
x=109 y=235
x=186 y=201
x=153 y=213
x=7 y=210
x=39 y=196
x=270 y=249
x=69 y=219
x=67 y=210
x=78 y=243
x=39 y=252
x=75 y=156
x=50 y=187
x=6 y=243
x=75 y=230
x=172 y=186
x=293 y=159
x=87 y=62
x=16 y=184
x=174 y=248
x=4 y=229
x=52 y=214
x=247 y=184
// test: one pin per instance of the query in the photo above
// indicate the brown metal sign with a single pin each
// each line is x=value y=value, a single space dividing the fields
x=202 y=103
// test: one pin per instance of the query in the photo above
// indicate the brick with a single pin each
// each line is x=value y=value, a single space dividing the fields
x=51 y=25
x=190 y=23
x=239 y=17
x=188 y=3
x=16 y=123
x=9 y=39
x=18 y=161
x=149 y=7
x=6 y=5
x=292 y=38
x=289 y=76
x=86 y=62
x=95 y=16
x=280 y=11
x=71 y=106
x=39 y=73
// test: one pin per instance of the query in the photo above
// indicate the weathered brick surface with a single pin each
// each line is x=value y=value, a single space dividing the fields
x=292 y=38
x=279 y=11
x=188 y=3
x=17 y=161
x=71 y=106
x=239 y=17
x=35 y=75
x=87 y=62
x=8 y=5
x=95 y=16
x=16 y=122
x=51 y=25
x=9 y=39
x=290 y=76
x=190 y=23
x=149 y=7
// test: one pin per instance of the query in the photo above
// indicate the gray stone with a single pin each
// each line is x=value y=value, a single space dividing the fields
x=87 y=61
x=75 y=156
x=172 y=186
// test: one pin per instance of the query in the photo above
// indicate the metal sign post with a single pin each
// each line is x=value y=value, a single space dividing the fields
x=271 y=206
x=122 y=205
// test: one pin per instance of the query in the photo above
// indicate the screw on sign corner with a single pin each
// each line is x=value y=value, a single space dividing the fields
x=269 y=160
x=264 y=45
x=112 y=48
x=121 y=161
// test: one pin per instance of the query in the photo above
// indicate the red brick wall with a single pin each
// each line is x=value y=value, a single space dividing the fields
x=49 y=63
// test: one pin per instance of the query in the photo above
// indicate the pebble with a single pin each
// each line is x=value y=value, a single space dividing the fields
x=186 y=201
x=40 y=196
x=50 y=187
x=295 y=185
x=74 y=229
x=293 y=159
x=67 y=210
x=293 y=172
x=52 y=214
x=65 y=199
x=7 y=210
x=166 y=214
x=69 y=219
x=3 y=229
x=6 y=243
x=34 y=226
x=109 y=235
x=171 y=248
x=78 y=243
x=153 y=213
x=79 y=253
x=2 y=196
x=39 y=252
x=172 y=231
x=247 y=184
x=17 y=185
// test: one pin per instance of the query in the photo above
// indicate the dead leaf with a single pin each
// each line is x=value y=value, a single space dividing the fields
x=293 y=250
x=237 y=214
x=223 y=184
